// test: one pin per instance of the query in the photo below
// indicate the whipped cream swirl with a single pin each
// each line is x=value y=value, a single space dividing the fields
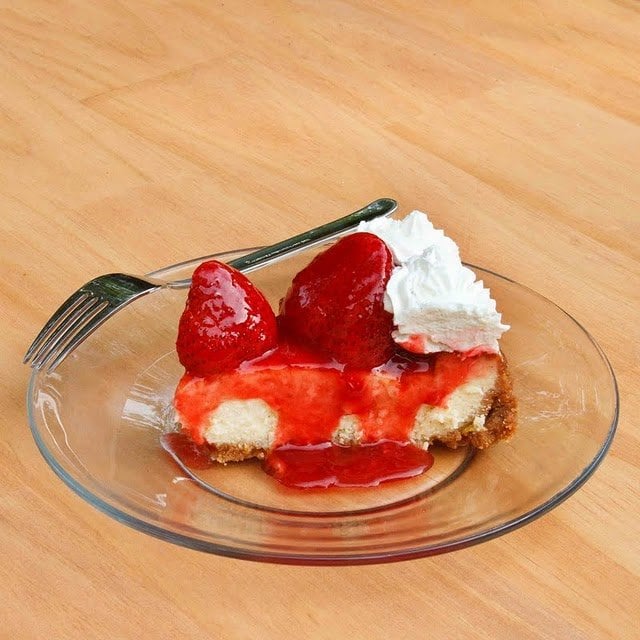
x=437 y=302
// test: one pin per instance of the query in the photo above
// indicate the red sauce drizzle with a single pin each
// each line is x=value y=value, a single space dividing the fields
x=325 y=465
x=181 y=446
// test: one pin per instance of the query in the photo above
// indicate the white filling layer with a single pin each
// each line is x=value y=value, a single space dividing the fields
x=464 y=409
x=242 y=422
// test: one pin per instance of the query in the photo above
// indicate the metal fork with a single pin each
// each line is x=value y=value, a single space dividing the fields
x=95 y=302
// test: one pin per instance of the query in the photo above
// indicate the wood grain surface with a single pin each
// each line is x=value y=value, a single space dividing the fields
x=134 y=135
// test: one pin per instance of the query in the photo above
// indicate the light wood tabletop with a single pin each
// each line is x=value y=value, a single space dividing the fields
x=136 y=135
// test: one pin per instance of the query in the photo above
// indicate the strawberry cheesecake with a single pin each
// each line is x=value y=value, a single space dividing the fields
x=384 y=344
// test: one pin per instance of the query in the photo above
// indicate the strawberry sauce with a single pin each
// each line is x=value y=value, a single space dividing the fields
x=326 y=465
x=186 y=450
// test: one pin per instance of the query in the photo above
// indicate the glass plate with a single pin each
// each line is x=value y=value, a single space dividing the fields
x=98 y=419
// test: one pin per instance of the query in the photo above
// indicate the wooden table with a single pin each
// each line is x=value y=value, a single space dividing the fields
x=134 y=135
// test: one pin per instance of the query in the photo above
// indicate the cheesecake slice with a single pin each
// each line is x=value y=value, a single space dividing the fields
x=383 y=337
x=443 y=398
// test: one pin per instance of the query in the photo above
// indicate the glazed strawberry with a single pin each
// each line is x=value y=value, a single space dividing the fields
x=336 y=303
x=226 y=321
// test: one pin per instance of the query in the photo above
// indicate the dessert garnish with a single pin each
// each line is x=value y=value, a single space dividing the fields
x=336 y=303
x=226 y=321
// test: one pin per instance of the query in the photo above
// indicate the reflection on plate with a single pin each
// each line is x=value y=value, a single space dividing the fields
x=98 y=420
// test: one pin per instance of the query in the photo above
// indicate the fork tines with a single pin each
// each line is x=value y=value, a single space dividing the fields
x=69 y=324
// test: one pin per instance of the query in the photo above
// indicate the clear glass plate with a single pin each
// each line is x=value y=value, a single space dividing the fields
x=99 y=417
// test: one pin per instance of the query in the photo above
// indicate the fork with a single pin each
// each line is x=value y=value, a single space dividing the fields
x=96 y=301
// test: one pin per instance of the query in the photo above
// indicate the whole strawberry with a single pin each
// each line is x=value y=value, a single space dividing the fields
x=336 y=303
x=226 y=321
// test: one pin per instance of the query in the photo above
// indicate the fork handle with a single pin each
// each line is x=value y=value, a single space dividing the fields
x=313 y=237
